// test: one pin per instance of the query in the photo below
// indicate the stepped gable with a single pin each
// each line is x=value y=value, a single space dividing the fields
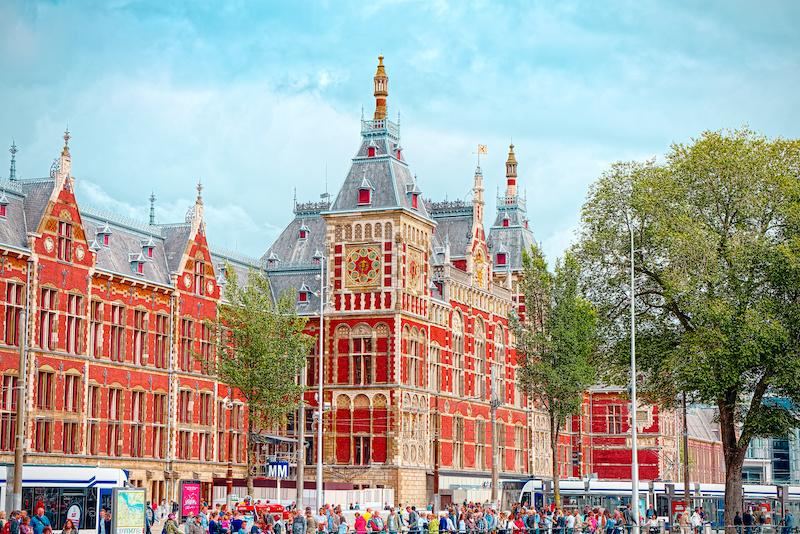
x=379 y=165
x=127 y=239
x=510 y=229
x=302 y=239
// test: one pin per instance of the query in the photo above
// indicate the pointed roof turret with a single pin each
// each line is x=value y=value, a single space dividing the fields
x=381 y=90
x=13 y=171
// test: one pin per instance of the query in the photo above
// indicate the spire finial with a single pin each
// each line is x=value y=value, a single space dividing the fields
x=200 y=191
x=152 y=208
x=66 y=137
x=381 y=90
x=13 y=172
x=511 y=172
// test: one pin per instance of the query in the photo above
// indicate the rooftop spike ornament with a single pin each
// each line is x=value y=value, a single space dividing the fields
x=13 y=171
x=66 y=137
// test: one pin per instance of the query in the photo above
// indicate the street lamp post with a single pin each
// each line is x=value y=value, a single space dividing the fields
x=634 y=437
x=321 y=400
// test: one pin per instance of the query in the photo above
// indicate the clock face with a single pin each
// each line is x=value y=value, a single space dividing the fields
x=187 y=280
x=363 y=266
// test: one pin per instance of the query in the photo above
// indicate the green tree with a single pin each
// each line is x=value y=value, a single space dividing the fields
x=554 y=342
x=717 y=268
x=260 y=351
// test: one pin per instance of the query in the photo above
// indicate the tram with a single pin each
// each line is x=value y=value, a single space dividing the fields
x=663 y=496
x=76 y=492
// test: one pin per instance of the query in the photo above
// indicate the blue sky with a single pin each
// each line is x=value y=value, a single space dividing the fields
x=257 y=98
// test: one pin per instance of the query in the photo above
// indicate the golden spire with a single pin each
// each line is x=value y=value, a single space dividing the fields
x=381 y=90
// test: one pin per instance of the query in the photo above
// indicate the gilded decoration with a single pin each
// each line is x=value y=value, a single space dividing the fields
x=363 y=265
x=66 y=215
x=415 y=270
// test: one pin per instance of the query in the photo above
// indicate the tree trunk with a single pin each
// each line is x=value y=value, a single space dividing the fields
x=554 y=432
x=734 y=453
x=250 y=490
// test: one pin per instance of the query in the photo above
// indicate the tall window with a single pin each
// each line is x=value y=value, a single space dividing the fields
x=113 y=439
x=161 y=342
x=499 y=365
x=435 y=367
x=206 y=445
x=44 y=390
x=458 y=441
x=115 y=404
x=458 y=355
x=139 y=337
x=480 y=444
x=206 y=345
x=361 y=450
x=206 y=408
x=137 y=440
x=500 y=428
x=519 y=446
x=75 y=313
x=311 y=368
x=48 y=309
x=93 y=438
x=93 y=404
x=15 y=302
x=159 y=421
x=43 y=432
x=414 y=349
x=138 y=406
x=362 y=360
x=64 y=241
x=199 y=277
x=187 y=330
x=185 y=406
x=8 y=407
x=70 y=438
x=614 y=419
x=72 y=393
x=480 y=359
x=184 y=444
x=117 y=333
x=96 y=328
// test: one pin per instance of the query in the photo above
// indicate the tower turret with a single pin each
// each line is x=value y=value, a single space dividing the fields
x=13 y=171
x=511 y=173
x=381 y=90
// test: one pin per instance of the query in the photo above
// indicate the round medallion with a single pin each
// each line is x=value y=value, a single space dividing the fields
x=49 y=245
x=210 y=287
x=79 y=252
x=364 y=266
x=187 y=280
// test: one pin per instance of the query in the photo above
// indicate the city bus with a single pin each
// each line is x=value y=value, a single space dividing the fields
x=74 y=492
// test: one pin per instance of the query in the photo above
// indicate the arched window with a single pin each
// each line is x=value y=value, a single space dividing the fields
x=480 y=358
x=458 y=354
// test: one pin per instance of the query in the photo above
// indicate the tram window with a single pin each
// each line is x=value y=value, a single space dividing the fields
x=526 y=498
x=91 y=508
x=662 y=505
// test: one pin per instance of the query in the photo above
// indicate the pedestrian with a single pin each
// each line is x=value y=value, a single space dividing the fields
x=360 y=524
x=39 y=521
x=169 y=527
x=2 y=519
x=311 y=522
x=788 y=522
x=342 y=525
x=104 y=523
x=13 y=519
x=630 y=518
x=394 y=523
x=375 y=523
x=69 y=528
x=298 y=525
x=737 y=522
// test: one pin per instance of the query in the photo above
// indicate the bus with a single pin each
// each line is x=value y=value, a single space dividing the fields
x=74 y=492
x=614 y=494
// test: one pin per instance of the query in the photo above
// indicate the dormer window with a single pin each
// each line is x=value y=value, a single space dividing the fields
x=501 y=258
x=3 y=205
x=148 y=248
x=105 y=239
x=303 y=234
x=414 y=201
x=273 y=260
x=149 y=251
x=302 y=296
x=364 y=196
x=140 y=268
x=104 y=235
x=505 y=222
x=371 y=152
x=137 y=262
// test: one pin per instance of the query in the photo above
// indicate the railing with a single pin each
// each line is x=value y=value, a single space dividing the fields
x=380 y=126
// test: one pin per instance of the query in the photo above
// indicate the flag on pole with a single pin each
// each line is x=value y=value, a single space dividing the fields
x=482 y=149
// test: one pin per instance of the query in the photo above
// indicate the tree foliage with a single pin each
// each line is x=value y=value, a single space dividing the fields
x=554 y=341
x=260 y=350
x=717 y=265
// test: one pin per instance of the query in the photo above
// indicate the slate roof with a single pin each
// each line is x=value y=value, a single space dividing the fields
x=289 y=248
x=515 y=237
x=12 y=227
x=453 y=224
x=388 y=176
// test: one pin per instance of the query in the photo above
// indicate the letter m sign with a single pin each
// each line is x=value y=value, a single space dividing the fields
x=278 y=470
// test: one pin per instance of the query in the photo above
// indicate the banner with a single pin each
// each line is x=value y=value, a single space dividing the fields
x=190 y=498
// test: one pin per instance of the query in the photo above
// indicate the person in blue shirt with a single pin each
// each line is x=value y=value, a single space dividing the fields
x=788 y=522
x=39 y=521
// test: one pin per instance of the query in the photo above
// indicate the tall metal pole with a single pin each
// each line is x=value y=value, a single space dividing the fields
x=686 y=495
x=634 y=437
x=301 y=444
x=321 y=400
x=229 y=476
x=494 y=401
x=22 y=375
